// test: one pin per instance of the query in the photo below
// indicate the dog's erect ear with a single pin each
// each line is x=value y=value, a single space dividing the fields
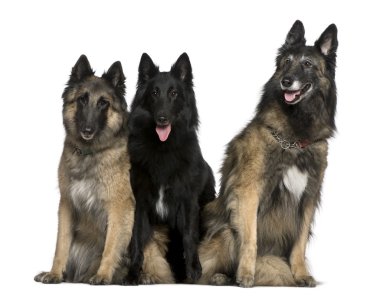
x=296 y=35
x=116 y=77
x=147 y=69
x=182 y=69
x=81 y=69
x=327 y=44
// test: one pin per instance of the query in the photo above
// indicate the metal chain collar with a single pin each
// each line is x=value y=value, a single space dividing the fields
x=285 y=144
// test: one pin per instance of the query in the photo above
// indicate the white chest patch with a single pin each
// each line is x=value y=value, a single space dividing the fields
x=295 y=181
x=161 y=208
x=84 y=193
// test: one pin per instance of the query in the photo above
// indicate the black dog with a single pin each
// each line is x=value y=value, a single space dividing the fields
x=170 y=179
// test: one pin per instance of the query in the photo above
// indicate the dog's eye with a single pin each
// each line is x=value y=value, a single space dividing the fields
x=287 y=60
x=307 y=64
x=102 y=103
x=82 y=100
x=173 y=93
x=155 y=92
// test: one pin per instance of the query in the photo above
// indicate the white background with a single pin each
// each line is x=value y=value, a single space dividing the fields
x=232 y=47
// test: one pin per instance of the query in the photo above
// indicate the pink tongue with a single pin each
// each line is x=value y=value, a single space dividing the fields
x=163 y=132
x=290 y=96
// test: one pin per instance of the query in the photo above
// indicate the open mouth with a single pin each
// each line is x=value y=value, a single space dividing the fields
x=163 y=131
x=293 y=97
x=87 y=136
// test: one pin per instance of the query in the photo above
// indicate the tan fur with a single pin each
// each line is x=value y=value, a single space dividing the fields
x=273 y=271
x=217 y=255
x=221 y=249
x=246 y=189
x=96 y=210
x=64 y=239
x=156 y=269
x=273 y=171
x=297 y=258
x=118 y=201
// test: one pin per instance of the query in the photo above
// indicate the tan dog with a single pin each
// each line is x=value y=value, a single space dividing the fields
x=96 y=210
x=272 y=174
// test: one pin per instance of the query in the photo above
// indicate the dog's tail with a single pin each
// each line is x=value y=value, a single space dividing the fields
x=273 y=271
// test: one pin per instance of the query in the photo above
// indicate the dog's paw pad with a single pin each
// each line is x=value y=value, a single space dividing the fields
x=219 y=279
x=99 y=280
x=305 y=281
x=246 y=281
x=48 y=278
x=194 y=272
x=147 y=279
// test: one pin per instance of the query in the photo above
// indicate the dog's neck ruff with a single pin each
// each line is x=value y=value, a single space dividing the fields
x=286 y=144
x=83 y=151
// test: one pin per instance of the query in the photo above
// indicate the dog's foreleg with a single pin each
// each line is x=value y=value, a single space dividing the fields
x=245 y=219
x=64 y=239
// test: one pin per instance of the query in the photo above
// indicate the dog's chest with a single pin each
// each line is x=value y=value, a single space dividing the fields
x=85 y=189
x=85 y=193
x=295 y=181
x=161 y=208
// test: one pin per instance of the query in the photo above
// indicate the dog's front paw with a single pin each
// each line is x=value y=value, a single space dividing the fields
x=147 y=279
x=219 y=279
x=131 y=280
x=49 y=278
x=245 y=277
x=194 y=271
x=305 y=281
x=246 y=281
x=100 y=280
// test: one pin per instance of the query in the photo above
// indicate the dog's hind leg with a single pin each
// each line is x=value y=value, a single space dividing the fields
x=156 y=270
x=273 y=271
x=217 y=257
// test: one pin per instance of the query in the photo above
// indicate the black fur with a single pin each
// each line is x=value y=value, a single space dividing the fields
x=174 y=165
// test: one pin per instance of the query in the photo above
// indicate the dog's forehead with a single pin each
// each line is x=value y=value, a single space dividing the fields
x=164 y=80
x=305 y=52
x=96 y=87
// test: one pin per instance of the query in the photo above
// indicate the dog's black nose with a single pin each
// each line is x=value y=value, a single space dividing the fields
x=287 y=82
x=162 y=121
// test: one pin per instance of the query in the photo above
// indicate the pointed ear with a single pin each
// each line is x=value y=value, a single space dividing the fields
x=182 y=69
x=296 y=35
x=81 y=69
x=327 y=44
x=147 y=69
x=116 y=77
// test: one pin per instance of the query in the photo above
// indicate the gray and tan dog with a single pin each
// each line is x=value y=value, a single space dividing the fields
x=96 y=209
x=258 y=228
